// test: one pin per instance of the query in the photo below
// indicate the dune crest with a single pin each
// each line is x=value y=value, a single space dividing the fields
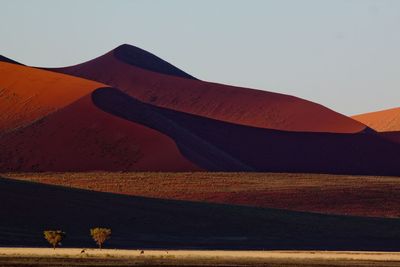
x=244 y=106
x=49 y=122
x=28 y=94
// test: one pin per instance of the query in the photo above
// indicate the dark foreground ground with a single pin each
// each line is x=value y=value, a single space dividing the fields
x=28 y=208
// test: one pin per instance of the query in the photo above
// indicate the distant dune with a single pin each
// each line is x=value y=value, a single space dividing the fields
x=132 y=111
x=216 y=145
x=383 y=121
x=149 y=79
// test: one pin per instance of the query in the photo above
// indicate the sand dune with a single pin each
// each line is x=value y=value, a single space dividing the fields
x=383 y=121
x=81 y=137
x=28 y=94
x=194 y=124
x=48 y=122
x=8 y=60
x=123 y=68
x=221 y=146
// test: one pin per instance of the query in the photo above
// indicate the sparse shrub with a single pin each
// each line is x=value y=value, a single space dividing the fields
x=54 y=237
x=100 y=235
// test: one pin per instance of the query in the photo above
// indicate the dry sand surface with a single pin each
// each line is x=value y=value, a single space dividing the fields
x=382 y=121
x=89 y=139
x=77 y=252
x=113 y=257
x=28 y=94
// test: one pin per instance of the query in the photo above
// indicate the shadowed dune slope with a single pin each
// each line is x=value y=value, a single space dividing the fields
x=145 y=60
x=216 y=145
x=392 y=136
x=124 y=68
x=81 y=137
x=28 y=94
x=139 y=222
x=383 y=121
x=8 y=60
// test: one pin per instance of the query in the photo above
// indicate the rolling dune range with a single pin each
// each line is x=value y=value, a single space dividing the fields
x=186 y=124
x=131 y=142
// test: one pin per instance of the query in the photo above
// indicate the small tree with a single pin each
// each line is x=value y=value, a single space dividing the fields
x=100 y=235
x=54 y=237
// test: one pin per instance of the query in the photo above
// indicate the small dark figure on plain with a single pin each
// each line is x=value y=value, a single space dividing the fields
x=82 y=251
x=142 y=252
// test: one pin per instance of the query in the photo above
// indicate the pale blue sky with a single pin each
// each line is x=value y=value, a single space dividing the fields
x=342 y=54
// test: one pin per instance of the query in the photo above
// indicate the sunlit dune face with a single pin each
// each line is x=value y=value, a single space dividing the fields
x=82 y=137
x=217 y=101
x=27 y=94
x=50 y=112
x=382 y=121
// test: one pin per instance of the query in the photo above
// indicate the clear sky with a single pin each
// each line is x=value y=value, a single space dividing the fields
x=343 y=54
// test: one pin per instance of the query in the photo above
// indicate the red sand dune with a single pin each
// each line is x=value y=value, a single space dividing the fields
x=81 y=137
x=27 y=94
x=221 y=146
x=383 y=121
x=50 y=133
x=96 y=132
x=152 y=80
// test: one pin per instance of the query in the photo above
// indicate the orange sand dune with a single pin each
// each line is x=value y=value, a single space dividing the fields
x=383 y=121
x=49 y=122
x=27 y=94
x=152 y=80
x=81 y=137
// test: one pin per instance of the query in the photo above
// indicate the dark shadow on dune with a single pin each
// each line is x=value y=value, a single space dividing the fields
x=140 y=58
x=216 y=145
x=393 y=136
x=198 y=150
x=29 y=208
x=8 y=60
